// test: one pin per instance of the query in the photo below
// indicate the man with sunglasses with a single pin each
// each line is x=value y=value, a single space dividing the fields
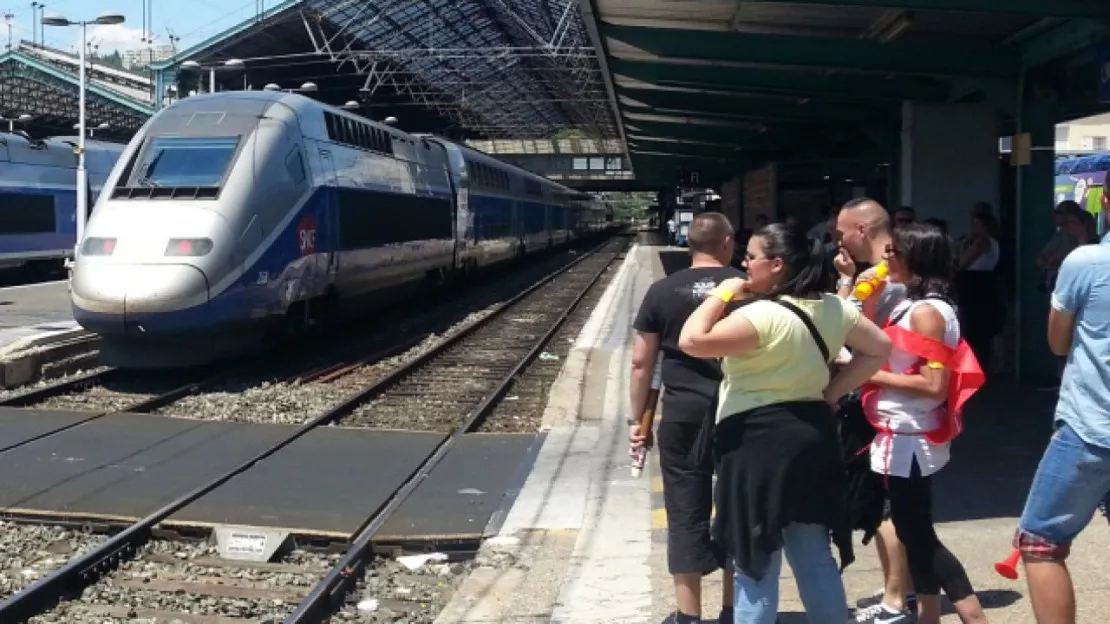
x=863 y=230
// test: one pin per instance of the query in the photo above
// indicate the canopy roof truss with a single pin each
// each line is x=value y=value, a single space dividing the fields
x=31 y=87
x=500 y=68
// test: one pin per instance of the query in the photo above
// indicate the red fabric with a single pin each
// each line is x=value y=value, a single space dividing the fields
x=965 y=379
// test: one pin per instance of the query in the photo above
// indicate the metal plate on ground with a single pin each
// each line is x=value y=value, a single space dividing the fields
x=466 y=489
x=17 y=424
x=326 y=483
x=124 y=466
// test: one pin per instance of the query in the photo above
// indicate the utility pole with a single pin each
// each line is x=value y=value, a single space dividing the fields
x=8 y=17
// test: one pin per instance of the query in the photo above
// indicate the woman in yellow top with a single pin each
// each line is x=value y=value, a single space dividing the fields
x=780 y=476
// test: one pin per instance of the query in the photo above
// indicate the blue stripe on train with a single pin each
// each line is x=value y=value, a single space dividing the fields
x=247 y=299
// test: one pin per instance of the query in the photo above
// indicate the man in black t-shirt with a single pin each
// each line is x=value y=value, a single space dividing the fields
x=689 y=395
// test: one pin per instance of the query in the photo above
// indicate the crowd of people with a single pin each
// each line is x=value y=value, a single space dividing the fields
x=823 y=386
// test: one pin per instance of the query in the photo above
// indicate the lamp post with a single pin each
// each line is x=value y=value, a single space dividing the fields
x=12 y=120
x=306 y=87
x=82 y=174
x=195 y=66
x=92 y=131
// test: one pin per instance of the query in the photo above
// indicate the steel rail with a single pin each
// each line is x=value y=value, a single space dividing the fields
x=81 y=571
x=325 y=597
x=318 y=371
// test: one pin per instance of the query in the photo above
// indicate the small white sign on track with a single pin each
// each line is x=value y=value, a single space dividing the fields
x=244 y=543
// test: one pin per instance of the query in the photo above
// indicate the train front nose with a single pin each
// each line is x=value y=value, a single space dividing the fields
x=139 y=299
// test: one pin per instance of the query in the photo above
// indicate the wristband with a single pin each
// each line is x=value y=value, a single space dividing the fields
x=844 y=282
x=633 y=421
x=934 y=365
x=723 y=294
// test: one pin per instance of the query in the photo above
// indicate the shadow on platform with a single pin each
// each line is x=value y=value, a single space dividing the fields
x=1006 y=430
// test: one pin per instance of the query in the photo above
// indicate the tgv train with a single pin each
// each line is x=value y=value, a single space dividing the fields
x=38 y=197
x=233 y=213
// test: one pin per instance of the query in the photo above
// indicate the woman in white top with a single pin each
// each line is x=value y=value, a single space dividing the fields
x=910 y=403
x=981 y=311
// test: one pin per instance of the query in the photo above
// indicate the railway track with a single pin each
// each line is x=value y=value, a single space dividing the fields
x=322 y=373
x=478 y=364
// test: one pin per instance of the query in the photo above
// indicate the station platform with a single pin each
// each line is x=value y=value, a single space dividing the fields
x=34 y=308
x=35 y=318
x=585 y=541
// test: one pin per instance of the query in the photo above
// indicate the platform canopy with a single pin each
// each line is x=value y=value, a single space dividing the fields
x=32 y=83
x=722 y=85
x=513 y=69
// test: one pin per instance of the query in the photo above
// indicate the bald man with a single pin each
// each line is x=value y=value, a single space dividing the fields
x=863 y=230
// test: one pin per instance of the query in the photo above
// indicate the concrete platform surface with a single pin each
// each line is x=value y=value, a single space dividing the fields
x=585 y=542
x=45 y=304
x=36 y=328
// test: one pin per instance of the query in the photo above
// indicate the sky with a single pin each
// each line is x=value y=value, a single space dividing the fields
x=191 y=20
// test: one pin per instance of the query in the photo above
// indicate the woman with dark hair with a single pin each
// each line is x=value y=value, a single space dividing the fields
x=780 y=476
x=915 y=403
x=982 y=315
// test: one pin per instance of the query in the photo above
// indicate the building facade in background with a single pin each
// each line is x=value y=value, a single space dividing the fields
x=142 y=57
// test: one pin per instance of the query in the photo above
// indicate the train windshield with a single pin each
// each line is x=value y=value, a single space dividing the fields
x=186 y=161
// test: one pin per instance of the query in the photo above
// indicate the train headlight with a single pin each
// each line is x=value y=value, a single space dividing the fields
x=98 y=246
x=188 y=247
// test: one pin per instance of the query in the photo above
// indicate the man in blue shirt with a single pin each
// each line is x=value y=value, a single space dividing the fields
x=1074 y=474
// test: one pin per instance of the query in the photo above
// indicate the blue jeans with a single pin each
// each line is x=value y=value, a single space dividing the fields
x=810 y=555
x=1072 y=480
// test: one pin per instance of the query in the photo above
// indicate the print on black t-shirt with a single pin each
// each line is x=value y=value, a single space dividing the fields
x=689 y=384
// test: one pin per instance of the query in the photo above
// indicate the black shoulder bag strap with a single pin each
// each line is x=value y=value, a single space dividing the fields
x=809 y=325
x=701 y=451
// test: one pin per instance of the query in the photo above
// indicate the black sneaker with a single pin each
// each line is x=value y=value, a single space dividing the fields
x=877 y=598
x=882 y=614
x=727 y=616
x=681 y=618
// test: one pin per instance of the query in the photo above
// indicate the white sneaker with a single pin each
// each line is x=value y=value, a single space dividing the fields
x=882 y=614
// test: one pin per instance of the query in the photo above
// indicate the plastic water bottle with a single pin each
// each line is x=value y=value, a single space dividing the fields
x=868 y=287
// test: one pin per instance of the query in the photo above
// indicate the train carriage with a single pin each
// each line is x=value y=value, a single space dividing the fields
x=234 y=213
x=38 y=197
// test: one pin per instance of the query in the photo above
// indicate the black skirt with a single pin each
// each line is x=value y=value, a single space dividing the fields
x=864 y=495
x=778 y=465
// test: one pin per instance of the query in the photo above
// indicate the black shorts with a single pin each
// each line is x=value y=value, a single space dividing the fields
x=688 y=497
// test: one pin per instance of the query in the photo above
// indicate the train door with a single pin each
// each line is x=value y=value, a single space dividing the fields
x=453 y=169
x=331 y=217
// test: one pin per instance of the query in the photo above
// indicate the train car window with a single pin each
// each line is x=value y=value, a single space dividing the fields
x=26 y=214
x=391 y=218
x=295 y=163
x=186 y=161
